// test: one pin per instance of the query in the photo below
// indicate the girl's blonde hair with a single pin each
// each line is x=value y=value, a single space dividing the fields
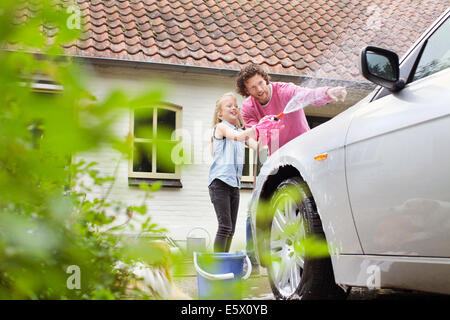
x=216 y=120
x=219 y=104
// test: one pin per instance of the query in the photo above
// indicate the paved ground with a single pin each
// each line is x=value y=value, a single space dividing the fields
x=259 y=289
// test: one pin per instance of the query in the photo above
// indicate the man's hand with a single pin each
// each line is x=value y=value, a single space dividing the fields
x=337 y=93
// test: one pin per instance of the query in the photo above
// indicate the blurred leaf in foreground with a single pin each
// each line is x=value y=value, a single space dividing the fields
x=48 y=221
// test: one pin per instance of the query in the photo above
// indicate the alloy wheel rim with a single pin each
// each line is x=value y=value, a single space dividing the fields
x=287 y=261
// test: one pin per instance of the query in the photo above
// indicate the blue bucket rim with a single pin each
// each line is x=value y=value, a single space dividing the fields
x=222 y=255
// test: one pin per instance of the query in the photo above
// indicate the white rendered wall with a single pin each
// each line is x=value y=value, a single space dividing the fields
x=179 y=210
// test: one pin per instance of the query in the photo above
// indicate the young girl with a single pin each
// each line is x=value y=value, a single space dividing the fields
x=228 y=142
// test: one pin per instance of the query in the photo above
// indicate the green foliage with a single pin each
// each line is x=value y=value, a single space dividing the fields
x=47 y=220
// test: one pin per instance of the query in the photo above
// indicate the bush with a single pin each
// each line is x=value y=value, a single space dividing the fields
x=51 y=240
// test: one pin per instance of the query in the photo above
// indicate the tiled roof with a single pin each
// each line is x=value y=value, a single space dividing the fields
x=320 y=38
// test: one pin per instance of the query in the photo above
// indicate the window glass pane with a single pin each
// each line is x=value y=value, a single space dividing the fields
x=246 y=169
x=314 y=121
x=36 y=125
x=166 y=123
x=142 y=157
x=162 y=143
x=164 y=162
x=143 y=123
x=436 y=55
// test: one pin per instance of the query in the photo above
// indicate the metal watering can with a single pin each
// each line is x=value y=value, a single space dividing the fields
x=196 y=243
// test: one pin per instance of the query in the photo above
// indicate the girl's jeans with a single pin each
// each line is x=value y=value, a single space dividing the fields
x=225 y=199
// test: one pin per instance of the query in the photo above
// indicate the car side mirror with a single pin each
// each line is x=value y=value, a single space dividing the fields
x=381 y=67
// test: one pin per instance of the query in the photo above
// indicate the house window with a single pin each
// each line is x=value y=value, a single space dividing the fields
x=46 y=93
x=154 y=138
x=248 y=171
x=314 y=121
x=249 y=163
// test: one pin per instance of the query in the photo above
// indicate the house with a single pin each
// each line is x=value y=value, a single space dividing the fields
x=197 y=47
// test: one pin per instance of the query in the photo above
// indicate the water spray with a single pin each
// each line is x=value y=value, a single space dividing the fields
x=296 y=103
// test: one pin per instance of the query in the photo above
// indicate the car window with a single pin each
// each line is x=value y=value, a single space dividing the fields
x=436 y=55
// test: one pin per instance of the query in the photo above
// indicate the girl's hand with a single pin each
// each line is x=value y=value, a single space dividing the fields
x=268 y=117
x=337 y=93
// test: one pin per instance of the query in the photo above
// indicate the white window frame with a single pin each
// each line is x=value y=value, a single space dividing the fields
x=154 y=174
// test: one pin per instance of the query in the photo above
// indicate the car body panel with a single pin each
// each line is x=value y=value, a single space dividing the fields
x=332 y=204
x=397 y=235
x=391 y=152
x=410 y=273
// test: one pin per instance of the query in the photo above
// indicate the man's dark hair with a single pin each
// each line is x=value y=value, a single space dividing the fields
x=245 y=74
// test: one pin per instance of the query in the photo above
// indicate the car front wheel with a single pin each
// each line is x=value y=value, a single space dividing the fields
x=295 y=273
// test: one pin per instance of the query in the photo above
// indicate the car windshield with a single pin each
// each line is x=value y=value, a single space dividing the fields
x=436 y=55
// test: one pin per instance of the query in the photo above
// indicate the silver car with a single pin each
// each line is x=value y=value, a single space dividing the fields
x=374 y=182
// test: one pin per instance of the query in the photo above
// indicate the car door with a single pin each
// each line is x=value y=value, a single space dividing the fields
x=398 y=160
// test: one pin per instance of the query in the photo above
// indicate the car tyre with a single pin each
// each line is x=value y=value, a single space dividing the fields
x=291 y=274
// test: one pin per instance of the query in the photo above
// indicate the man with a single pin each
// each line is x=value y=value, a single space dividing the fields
x=267 y=99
